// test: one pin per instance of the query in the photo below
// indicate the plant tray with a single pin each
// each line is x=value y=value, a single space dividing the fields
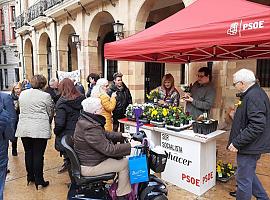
x=144 y=121
x=157 y=124
x=175 y=128
x=224 y=180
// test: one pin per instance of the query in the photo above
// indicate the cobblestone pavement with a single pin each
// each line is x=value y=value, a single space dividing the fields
x=16 y=187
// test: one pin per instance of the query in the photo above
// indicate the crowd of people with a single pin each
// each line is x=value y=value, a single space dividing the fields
x=92 y=119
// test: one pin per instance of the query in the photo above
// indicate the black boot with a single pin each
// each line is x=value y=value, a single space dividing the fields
x=14 y=152
x=14 y=147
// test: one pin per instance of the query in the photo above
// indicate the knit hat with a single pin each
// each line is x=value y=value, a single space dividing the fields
x=92 y=105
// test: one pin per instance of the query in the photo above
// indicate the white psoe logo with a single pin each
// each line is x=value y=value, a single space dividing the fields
x=237 y=28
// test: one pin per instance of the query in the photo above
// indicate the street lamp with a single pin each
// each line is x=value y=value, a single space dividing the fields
x=118 y=30
x=16 y=53
x=76 y=40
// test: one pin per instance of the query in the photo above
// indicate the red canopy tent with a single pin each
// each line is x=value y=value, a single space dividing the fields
x=205 y=30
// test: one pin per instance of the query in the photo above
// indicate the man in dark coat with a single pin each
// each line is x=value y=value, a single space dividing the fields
x=52 y=89
x=250 y=134
x=123 y=99
x=7 y=132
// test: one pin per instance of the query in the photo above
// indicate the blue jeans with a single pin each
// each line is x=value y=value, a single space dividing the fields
x=3 y=165
x=248 y=183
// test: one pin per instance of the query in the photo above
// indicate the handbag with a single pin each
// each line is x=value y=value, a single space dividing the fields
x=138 y=169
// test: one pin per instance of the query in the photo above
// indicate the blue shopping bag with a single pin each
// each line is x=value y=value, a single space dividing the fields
x=138 y=170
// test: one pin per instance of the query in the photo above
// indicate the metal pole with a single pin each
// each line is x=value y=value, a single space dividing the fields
x=106 y=69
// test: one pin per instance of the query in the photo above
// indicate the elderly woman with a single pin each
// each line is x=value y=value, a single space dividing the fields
x=108 y=103
x=34 y=128
x=15 y=93
x=95 y=149
x=167 y=92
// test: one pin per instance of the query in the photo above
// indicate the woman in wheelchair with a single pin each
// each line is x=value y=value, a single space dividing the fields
x=98 y=150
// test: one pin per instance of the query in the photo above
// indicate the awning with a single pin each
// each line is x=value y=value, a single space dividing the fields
x=204 y=31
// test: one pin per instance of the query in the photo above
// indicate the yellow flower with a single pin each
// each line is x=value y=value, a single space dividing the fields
x=218 y=169
x=238 y=103
x=164 y=112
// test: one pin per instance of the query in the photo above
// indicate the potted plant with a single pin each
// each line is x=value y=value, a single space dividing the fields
x=158 y=115
x=129 y=112
x=224 y=171
x=153 y=96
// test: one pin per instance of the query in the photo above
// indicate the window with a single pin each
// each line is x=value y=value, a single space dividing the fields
x=2 y=16
x=17 y=75
x=112 y=68
x=5 y=56
x=3 y=37
x=183 y=73
x=13 y=33
x=1 y=80
x=13 y=13
x=6 y=78
x=263 y=72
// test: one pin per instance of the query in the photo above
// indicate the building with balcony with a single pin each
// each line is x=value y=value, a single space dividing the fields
x=46 y=28
x=9 y=63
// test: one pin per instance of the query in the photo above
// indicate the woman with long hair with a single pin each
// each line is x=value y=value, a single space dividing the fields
x=34 y=128
x=15 y=93
x=168 y=94
x=108 y=103
x=67 y=111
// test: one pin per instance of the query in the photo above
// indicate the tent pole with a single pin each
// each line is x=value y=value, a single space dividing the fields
x=187 y=74
x=106 y=69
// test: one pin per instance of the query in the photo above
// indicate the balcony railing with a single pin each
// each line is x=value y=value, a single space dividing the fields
x=20 y=21
x=35 y=11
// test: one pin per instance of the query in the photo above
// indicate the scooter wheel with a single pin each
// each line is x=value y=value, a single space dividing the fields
x=160 y=197
x=145 y=194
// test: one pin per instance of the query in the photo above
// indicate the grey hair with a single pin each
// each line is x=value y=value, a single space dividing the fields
x=244 y=75
x=52 y=81
x=97 y=89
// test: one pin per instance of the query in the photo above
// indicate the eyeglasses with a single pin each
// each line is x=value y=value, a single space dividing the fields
x=200 y=76
x=234 y=84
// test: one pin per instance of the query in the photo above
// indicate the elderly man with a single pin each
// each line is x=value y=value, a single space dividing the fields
x=52 y=89
x=250 y=134
x=7 y=132
x=202 y=94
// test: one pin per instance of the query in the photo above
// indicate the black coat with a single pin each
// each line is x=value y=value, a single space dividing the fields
x=66 y=116
x=250 y=132
x=123 y=99
x=55 y=94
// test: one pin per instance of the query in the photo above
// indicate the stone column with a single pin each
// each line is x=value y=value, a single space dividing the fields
x=43 y=67
x=28 y=65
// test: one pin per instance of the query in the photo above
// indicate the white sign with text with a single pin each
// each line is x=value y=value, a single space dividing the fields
x=190 y=164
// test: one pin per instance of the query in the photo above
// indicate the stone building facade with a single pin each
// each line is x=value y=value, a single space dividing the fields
x=9 y=63
x=44 y=40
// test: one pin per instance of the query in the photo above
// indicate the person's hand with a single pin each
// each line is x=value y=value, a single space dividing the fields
x=232 y=148
x=114 y=94
x=188 y=98
x=126 y=135
x=231 y=113
x=161 y=102
x=134 y=143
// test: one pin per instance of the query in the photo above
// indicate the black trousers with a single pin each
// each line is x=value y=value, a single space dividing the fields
x=14 y=143
x=116 y=126
x=34 y=158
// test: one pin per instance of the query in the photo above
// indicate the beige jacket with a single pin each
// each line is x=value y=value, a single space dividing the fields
x=36 y=110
